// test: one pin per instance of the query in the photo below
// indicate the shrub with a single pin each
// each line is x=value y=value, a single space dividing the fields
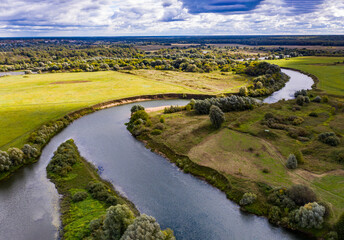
x=5 y=162
x=299 y=157
x=302 y=92
x=162 y=119
x=143 y=227
x=117 y=220
x=317 y=99
x=291 y=162
x=300 y=100
x=100 y=192
x=274 y=214
x=298 y=121
x=159 y=126
x=313 y=114
x=79 y=196
x=174 y=109
x=325 y=99
x=329 y=138
x=307 y=100
x=280 y=198
x=308 y=216
x=247 y=199
x=332 y=236
x=29 y=151
x=340 y=156
x=217 y=117
x=269 y=116
x=16 y=156
x=243 y=91
x=340 y=227
x=156 y=132
x=301 y=194
x=136 y=108
x=140 y=114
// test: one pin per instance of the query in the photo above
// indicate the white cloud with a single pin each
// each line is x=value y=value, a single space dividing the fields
x=160 y=17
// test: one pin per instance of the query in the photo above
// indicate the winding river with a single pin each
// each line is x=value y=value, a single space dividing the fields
x=191 y=207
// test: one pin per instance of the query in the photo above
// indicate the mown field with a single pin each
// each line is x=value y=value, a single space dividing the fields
x=248 y=152
x=330 y=74
x=26 y=102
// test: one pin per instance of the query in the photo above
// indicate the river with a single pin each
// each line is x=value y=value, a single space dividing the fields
x=191 y=207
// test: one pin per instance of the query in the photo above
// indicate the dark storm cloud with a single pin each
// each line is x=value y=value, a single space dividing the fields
x=220 y=6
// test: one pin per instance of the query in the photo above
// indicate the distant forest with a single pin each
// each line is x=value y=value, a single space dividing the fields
x=307 y=40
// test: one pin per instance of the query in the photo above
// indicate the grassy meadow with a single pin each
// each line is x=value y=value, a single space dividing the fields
x=249 y=153
x=330 y=75
x=28 y=101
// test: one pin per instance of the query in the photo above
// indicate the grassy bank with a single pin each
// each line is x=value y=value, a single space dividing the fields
x=327 y=69
x=251 y=156
x=77 y=215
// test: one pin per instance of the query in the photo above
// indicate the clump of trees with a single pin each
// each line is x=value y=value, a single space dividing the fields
x=247 y=199
x=329 y=138
x=138 y=122
x=64 y=158
x=301 y=194
x=291 y=162
x=217 y=117
x=226 y=104
x=5 y=162
x=136 y=108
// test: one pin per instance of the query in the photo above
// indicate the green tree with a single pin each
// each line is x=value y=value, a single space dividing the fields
x=217 y=117
x=291 y=162
x=117 y=220
x=16 y=155
x=340 y=227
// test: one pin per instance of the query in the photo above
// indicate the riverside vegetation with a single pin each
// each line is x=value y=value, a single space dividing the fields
x=24 y=116
x=91 y=208
x=283 y=161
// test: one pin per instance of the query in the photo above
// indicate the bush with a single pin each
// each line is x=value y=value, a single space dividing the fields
x=313 y=114
x=298 y=121
x=100 y=192
x=159 y=126
x=217 y=117
x=329 y=138
x=299 y=157
x=325 y=99
x=340 y=227
x=140 y=114
x=29 y=151
x=308 y=216
x=307 y=100
x=116 y=222
x=291 y=162
x=280 y=198
x=274 y=214
x=136 y=108
x=16 y=156
x=174 y=109
x=302 y=92
x=317 y=99
x=5 y=162
x=340 y=156
x=162 y=119
x=301 y=194
x=243 y=91
x=300 y=100
x=332 y=236
x=156 y=132
x=247 y=199
x=79 y=196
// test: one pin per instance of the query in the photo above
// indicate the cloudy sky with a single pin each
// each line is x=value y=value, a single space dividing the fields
x=169 y=17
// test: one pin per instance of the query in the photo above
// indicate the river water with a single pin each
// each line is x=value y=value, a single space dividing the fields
x=191 y=207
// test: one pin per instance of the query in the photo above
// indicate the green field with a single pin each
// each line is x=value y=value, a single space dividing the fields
x=330 y=75
x=26 y=102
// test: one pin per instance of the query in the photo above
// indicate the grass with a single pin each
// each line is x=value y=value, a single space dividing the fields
x=330 y=75
x=244 y=152
x=27 y=102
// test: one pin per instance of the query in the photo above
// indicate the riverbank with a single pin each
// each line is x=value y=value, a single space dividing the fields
x=78 y=205
x=248 y=156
